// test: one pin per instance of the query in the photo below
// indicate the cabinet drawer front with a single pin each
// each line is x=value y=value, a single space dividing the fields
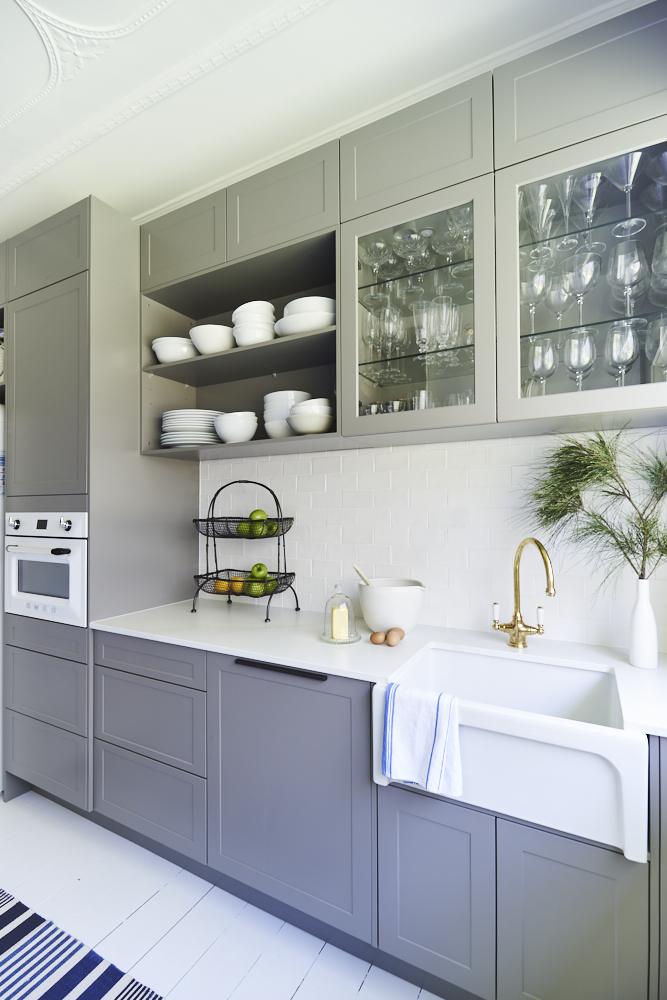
x=162 y=660
x=48 y=252
x=575 y=85
x=186 y=241
x=47 y=688
x=436 y=885
x=159 y=720
x=441 y=141
x=47 y=757
x=53 y=638
x=161 y=802
x=283 y=203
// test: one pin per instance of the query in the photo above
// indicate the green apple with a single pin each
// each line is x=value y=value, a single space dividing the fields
x=243 y=529
x=254 y=588
x=270 y=585
x=257 y=529
x=259 y=571
x=271 y=528
x=257 y=515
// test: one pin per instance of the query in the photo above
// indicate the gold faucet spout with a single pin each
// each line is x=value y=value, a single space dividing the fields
x=517 y=628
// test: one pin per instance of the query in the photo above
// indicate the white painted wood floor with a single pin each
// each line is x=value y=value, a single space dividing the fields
x=174 y=932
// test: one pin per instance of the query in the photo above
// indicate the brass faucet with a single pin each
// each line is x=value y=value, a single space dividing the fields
x=517 y=628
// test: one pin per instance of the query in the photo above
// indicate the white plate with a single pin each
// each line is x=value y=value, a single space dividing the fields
x=192 y=411
x=309 y=322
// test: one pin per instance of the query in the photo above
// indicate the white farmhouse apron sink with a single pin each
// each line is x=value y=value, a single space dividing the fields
x=541 y=741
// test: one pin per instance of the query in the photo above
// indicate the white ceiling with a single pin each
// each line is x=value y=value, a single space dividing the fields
x=147 y=103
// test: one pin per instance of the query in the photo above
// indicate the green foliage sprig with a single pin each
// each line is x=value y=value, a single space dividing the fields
x=605 y=496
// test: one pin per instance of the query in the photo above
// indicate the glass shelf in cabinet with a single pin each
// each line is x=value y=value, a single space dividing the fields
x=457 y=362
x=375 y=283
x=644 y=317
x=608 y=222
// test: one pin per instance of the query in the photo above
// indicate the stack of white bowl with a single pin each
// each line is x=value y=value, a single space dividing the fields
x=234 y=427
x=253 y=323
x=277 y=408
x=312 y=416
x=183 y=428
x=307 y=315
x=210 y=338
x=173 y=349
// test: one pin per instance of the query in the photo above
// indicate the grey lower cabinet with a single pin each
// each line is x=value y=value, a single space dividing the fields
x=46 y=340
x=289 y=787
x=46 y=756
x=53 y=638
x=47 y=687
x=443 y=140
x=285 y=202
x=185 y=241
x=436 y=888
x=161 y=660
x=570 y=91
x=47 y=253
x=572 y=919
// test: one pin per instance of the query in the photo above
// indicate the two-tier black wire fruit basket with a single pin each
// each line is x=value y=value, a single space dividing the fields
x=240 y=581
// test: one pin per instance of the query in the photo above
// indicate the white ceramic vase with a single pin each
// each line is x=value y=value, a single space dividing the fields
x=643 y=650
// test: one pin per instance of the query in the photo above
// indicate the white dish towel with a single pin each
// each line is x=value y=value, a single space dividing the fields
x=421 y=739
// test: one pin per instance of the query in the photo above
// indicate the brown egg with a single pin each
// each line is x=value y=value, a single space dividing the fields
x=378 y=638
x=400 y=631
x=394 y=636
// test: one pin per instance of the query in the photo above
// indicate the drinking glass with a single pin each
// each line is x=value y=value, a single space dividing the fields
x=586 y=191
x=578 y=274
x=542 y=360
x=621 y=348
x=657 y=337
x=391 y=268
x=579 y=354
x=533 y=287
x=447 y=242
x=374 y=251
x=656 y=168
x=462 y=223
x=422 y=316
x=565 y=190
x=391 y=322
x=627 y=269
x=464 y=398
x=407 y=242
x=659 y=262
x=442 y=314
x=531 y=387
x=370 y=333
x=374 y=299
x=451 y=288
x=420 y=261
x=409 y=291
x=540 y=220
x=654 y=197
x=558 y=300
x=622 y=172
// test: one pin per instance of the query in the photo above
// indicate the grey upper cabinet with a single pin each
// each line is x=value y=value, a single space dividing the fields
x=599 y=80
x=50 y=251
x=3 y=272
x=186 y=241
x=46 y=338
x=443 y=140
x=572 y=919
x=290 y=200
x=436 y=888
x=289 y=789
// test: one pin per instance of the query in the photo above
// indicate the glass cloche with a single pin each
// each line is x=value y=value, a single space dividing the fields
x=339 y=626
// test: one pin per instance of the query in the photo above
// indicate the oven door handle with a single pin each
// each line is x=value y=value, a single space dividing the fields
x=28 y=550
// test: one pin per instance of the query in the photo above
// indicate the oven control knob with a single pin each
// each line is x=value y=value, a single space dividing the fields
x=66 y=524
x=14 y=523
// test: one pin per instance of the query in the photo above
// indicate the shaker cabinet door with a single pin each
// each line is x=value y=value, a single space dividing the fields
x=436 y=888
x=290 y=793
x=46 y=337
x=441 y=141
x=47 y=757
x=50 y=251
x=572 y=919
x=605 y=78
x=186 y=241
x=290 y=200
x=47 y=687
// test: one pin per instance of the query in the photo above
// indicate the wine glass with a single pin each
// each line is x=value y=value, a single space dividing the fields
x=373 y=252
x=421 y=314
x=542 y=360
x=391 y=268
x=370 y=333
x=656 y=168
x=407 y=242
x=579 y=354
x=622 y=172
x=659 y=261
x=627 y=269
x=444 y=316
x=585 y=194
x=374 y=299
x=621 y=349
x=533 y=287
x=565 y=190
x=447 y=242
x=654 y=197
x=409 y=291
x=558 y=300
x=578 y=274
x=656 y=348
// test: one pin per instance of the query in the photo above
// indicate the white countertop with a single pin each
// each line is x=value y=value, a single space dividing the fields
x=293 y=638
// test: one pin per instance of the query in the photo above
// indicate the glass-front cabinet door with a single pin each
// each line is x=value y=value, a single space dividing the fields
x=418 y=338
x=582 y=279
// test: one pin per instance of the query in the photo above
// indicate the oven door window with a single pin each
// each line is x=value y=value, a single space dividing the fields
x=47 y=579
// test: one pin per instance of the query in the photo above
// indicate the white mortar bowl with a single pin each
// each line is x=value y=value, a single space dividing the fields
x=391 y=604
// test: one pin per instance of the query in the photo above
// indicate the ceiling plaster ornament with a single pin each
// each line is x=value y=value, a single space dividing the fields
x=69 y=45
x=138 y=103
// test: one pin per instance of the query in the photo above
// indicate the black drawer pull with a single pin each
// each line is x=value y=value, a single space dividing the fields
x=312 y=675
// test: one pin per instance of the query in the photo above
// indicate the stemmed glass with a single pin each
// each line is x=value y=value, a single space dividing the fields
x=539 y=212
x=656 y=168
x=585 y=194
x=656 y=348
x=407 y=242
x=373 y=252
x=462 y=221
x=370 y=333
x=622 y=172
x=579 y=354
x=421 y=313
x=558 y=300
x=621 y=349
x=578 y=274
x=374 y=299
x=391 y=335
x=542 y=360
x=533 y=287
x=565 y=190
x=445 y=319
x=627 y=270
x=391 y=268
x=447 y=242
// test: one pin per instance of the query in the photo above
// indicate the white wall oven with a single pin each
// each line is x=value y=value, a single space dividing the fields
x=46 y=566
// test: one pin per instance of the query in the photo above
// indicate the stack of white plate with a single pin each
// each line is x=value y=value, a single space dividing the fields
x=307 y=315
x=277 y=408
x=253 y=323
x=185 y=428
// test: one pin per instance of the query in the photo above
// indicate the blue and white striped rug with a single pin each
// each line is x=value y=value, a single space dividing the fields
x=40 y=961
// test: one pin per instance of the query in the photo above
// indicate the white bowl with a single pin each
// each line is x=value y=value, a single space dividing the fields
x=278 y=429
x=259 y=307
x=391 y=604
x=311 y=406
x=309 y=322
x=277 y=413
x=171 y=340
x=246 y=338
x=310 y=303
x=254 y=328
x=316 y=411
x=166 y=351
x=210 y=338
x=310 y=423
x=285 y=397
x=233 y=427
